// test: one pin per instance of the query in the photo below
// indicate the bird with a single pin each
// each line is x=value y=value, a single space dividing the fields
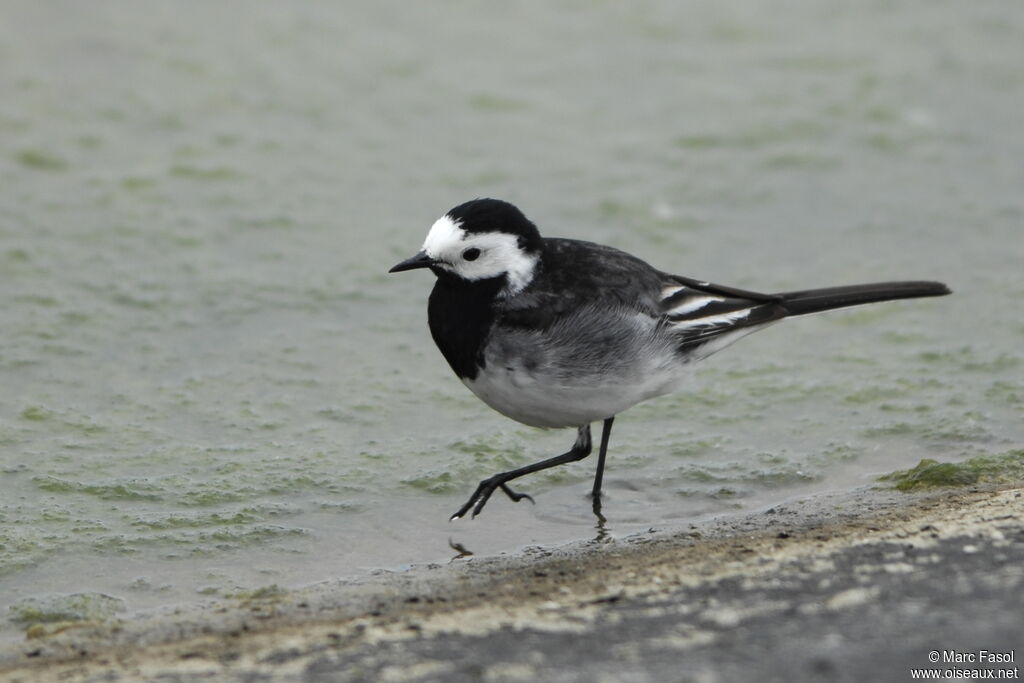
x=564 y=333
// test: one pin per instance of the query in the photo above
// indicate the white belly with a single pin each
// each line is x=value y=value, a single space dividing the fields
x=587 y=367
x=527 y=398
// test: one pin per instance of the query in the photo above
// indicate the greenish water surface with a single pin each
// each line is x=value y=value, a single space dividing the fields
x=210 y=384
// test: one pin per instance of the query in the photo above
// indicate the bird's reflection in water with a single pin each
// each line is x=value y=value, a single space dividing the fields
x=603 y=532
x=458 y=548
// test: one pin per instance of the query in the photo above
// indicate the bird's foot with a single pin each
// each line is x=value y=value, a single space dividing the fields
x=597 y=509
x=482 y=495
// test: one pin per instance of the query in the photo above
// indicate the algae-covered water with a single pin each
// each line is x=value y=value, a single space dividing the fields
x=210 y=385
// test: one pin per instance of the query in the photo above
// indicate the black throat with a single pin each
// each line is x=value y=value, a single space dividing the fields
x=460 y=314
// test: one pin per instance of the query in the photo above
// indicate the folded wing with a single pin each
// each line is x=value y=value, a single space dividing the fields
x=705 y=317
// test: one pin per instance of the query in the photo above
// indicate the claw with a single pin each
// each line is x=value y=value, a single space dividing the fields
x=469 y=503
x=483 y=494
x=516 y=497
x=462 y=510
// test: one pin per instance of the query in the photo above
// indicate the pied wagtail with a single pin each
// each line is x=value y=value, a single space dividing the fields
x=561 y=333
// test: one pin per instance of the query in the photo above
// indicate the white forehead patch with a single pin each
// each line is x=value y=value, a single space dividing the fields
x=445 y=234
x=500 y=254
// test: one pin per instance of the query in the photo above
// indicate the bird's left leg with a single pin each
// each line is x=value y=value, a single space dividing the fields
x=606 y=432
x=580 y=449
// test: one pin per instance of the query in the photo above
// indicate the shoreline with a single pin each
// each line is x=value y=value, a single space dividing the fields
x=871 y=558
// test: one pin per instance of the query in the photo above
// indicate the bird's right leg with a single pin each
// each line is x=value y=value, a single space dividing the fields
x=580 y=449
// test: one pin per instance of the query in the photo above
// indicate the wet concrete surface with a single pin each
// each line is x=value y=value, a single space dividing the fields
x=855 y=586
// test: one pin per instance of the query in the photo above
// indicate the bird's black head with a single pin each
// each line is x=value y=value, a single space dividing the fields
x=482 y=239
x=494 y=215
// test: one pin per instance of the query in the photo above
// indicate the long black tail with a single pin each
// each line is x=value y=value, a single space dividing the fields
x=815 y=300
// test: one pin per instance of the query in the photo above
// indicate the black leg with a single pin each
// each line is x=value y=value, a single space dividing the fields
x=606 y=431
x=580 y=450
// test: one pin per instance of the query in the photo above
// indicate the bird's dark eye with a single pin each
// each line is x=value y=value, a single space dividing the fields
x=471 y=254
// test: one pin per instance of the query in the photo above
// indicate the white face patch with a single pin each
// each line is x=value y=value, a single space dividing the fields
x=499 y=254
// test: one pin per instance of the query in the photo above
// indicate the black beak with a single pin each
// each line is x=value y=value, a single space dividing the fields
x=420 y=260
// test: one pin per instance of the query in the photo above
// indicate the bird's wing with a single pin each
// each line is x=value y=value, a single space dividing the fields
x=578 y=275
x=575 y=275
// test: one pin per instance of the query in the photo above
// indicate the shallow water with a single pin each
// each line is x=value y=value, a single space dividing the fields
x=210 y=384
